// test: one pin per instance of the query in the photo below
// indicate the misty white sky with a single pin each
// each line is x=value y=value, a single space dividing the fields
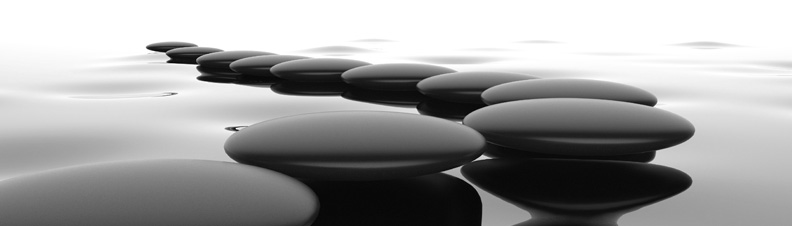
x=68 y=23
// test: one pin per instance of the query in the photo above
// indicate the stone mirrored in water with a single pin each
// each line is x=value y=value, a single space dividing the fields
x=408 y=99
x=356 y=145
x=465 y=87
x=567 y=88
x=392 y=77
x=225 y=58
x=587 y=127
x=316 y=70
x=446 y=110
x=576 y=192
x=260 y=65
x=287 y=87
x=165 y=46
x=190 y=53
x=219 y=75
x=436 y=199
x=157 y=192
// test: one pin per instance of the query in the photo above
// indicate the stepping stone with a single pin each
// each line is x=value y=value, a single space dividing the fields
x=567 y=88
x=225 y=58
x=446 y=110
x=165 y=46
x=465 y=87
x=582 y=127
x=315 y=70
x=392 y=77
x=435 y=199
x=576 y=192
x=190 y=54
x=287 y=87
x=356 y=145
x=260 y=65
x=157 y=192
x=496 y=151
x=408 y=99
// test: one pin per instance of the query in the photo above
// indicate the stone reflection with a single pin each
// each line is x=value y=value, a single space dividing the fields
x=218 y=75
x=576 y=192
x=435 y=199
x=408 y=99
x=286 y=87
x=446 y=110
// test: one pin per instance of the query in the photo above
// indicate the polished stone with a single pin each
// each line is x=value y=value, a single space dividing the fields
x=165 y=46
x=435 y=199
x=576 y=192
x=190 y=53
x=260 y=65
x=465 y=87
x=157 y=192
x=392 y=77
x=495 y=151
x=225 y=58
x=571 y=126
x=356 y=145
x=219 y=75
x=567 y=88
x=315 y=70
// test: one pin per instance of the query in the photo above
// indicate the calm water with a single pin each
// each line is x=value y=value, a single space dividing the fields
x=70 y=108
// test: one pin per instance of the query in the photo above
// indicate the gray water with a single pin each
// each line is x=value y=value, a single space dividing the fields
x=69 y=108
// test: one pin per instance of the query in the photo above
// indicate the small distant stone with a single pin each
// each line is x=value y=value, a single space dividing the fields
x=165 y=46
x=396 y=77
x=356 y=145
x=224 y=59
x=190 y=53
x=567 y=88
x=315 y=70
x=466 y=87
x=260 y=65
x=573 y=126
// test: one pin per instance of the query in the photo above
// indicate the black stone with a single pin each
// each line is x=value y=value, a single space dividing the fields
x=260 y=65
x=567 y=88
x=446 y=110
x=584 y=127
x=190 y=53
x=495 y=151
x=356 y=145
x=315 y=70
x=225 y=58
x=219 y=75
x=408 y=99
x=157 y=192
x=576 y=192
x=392 y=77
x=465 y=87
x=165 y=46
x=436 y=200
x=286 y=87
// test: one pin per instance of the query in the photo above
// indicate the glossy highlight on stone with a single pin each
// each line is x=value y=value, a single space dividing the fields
x=393 y=77
x=316 y=69
x=576 y=192
x=157 y=192
x=567 y=88
x=260 y=65
x=225 y=58
x=587 y=127
x=190 y=54
x=356 y=145
x=465 y=87
x=435 y=199
x=165 y=46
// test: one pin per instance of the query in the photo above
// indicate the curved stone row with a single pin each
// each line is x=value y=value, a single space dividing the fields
x=533 y=127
